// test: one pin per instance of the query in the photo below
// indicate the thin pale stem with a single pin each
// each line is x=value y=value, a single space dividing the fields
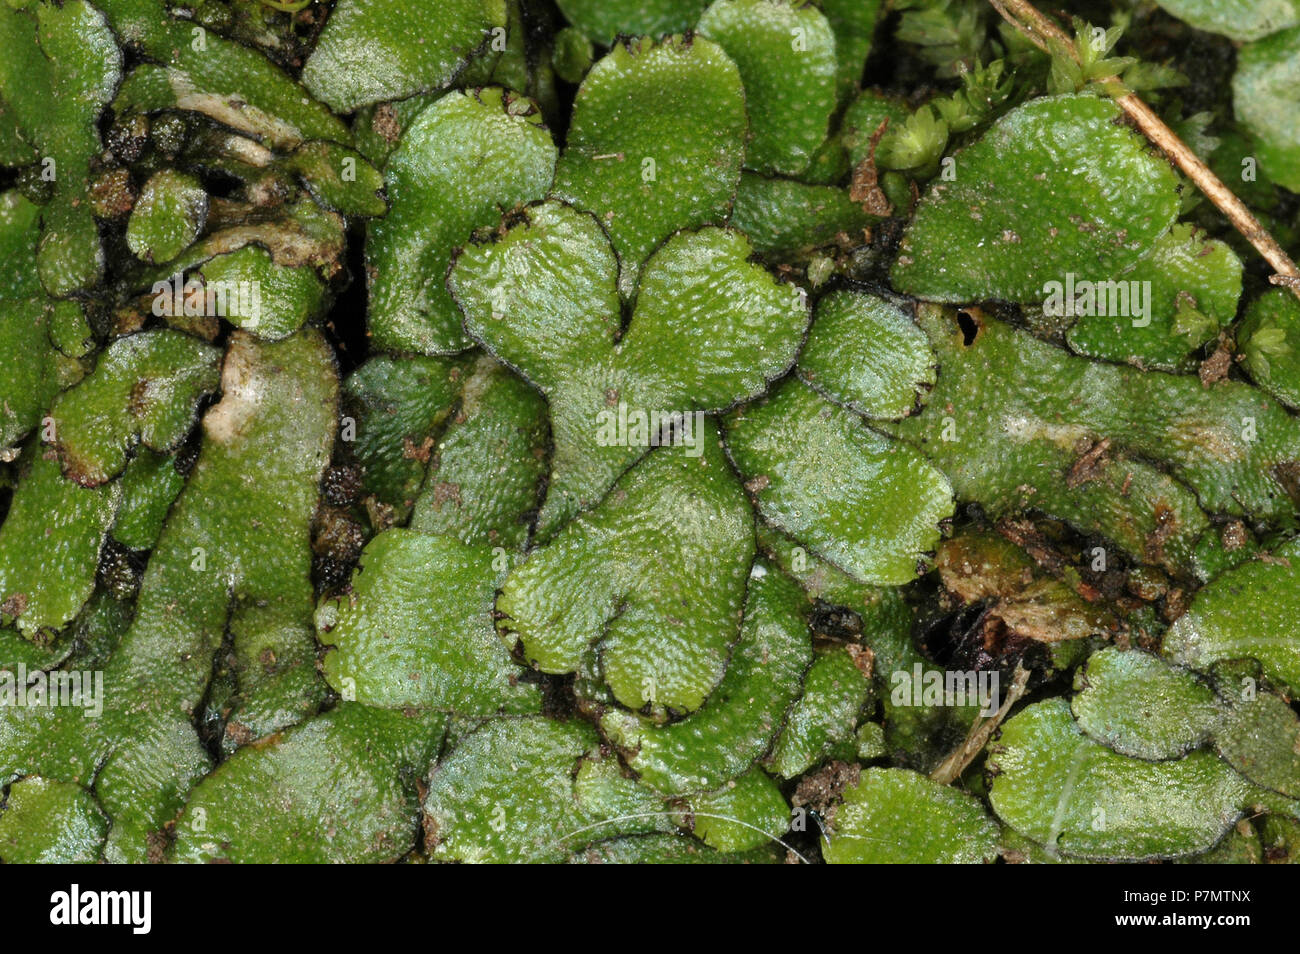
x=951 y=767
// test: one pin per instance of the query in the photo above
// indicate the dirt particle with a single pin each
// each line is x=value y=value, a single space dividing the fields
x=386 y=124
x=112 y=195
x=865 y=186
x=420 y=452
x=1234 y=535
x=239 y=733
x=155 y=847
x=1215 y=368
x=444 y=492
x=864 y=660
x=837 y=623
x=823 y=788
x=342 y=484
x=432 y=834
x=1166 y=527
x=380 y=514
x=14 y=605
x=1089 y=466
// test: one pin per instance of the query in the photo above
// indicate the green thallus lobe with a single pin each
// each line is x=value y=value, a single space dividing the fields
x=438 y=608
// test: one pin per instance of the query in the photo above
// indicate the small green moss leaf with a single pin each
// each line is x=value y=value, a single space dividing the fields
x=1241 y=846
x=835 y=693
x=1280 y=839
x=465 y=159
x=573 y=55
x=786 y=219
x=27 y=319
x=1069 y=793
x=416 y=631
x=1269 y=340
x=541 y=294
x=530 y=790
x=378 y=129
x=371 y=52
x=743 y=815
x=896 y=816
x=863 y=118
x=736 y=725
x=854 y=23
x=624 y=580
x=1188 y=287
x=167 y=217
x=1141 y=706
x=60 y=68
x=269 y=300
x=880 y=620
x=337 y=789
x=49 y=547
x=603 y=20
x=150 y=483
x=668 y=850
x=1260 y=738
x=1023 y=444
x=340 y=178
x=1266 y=99
x=1239 y=19
x=1059 y=175
x=542 y=298
x=1246 y=613
x=396 y=407
x=655 y=144
x=49 y=822
x=867 y=504
x=866 y=354
x=786 y=56
x=145 y=390
x=484 y=482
